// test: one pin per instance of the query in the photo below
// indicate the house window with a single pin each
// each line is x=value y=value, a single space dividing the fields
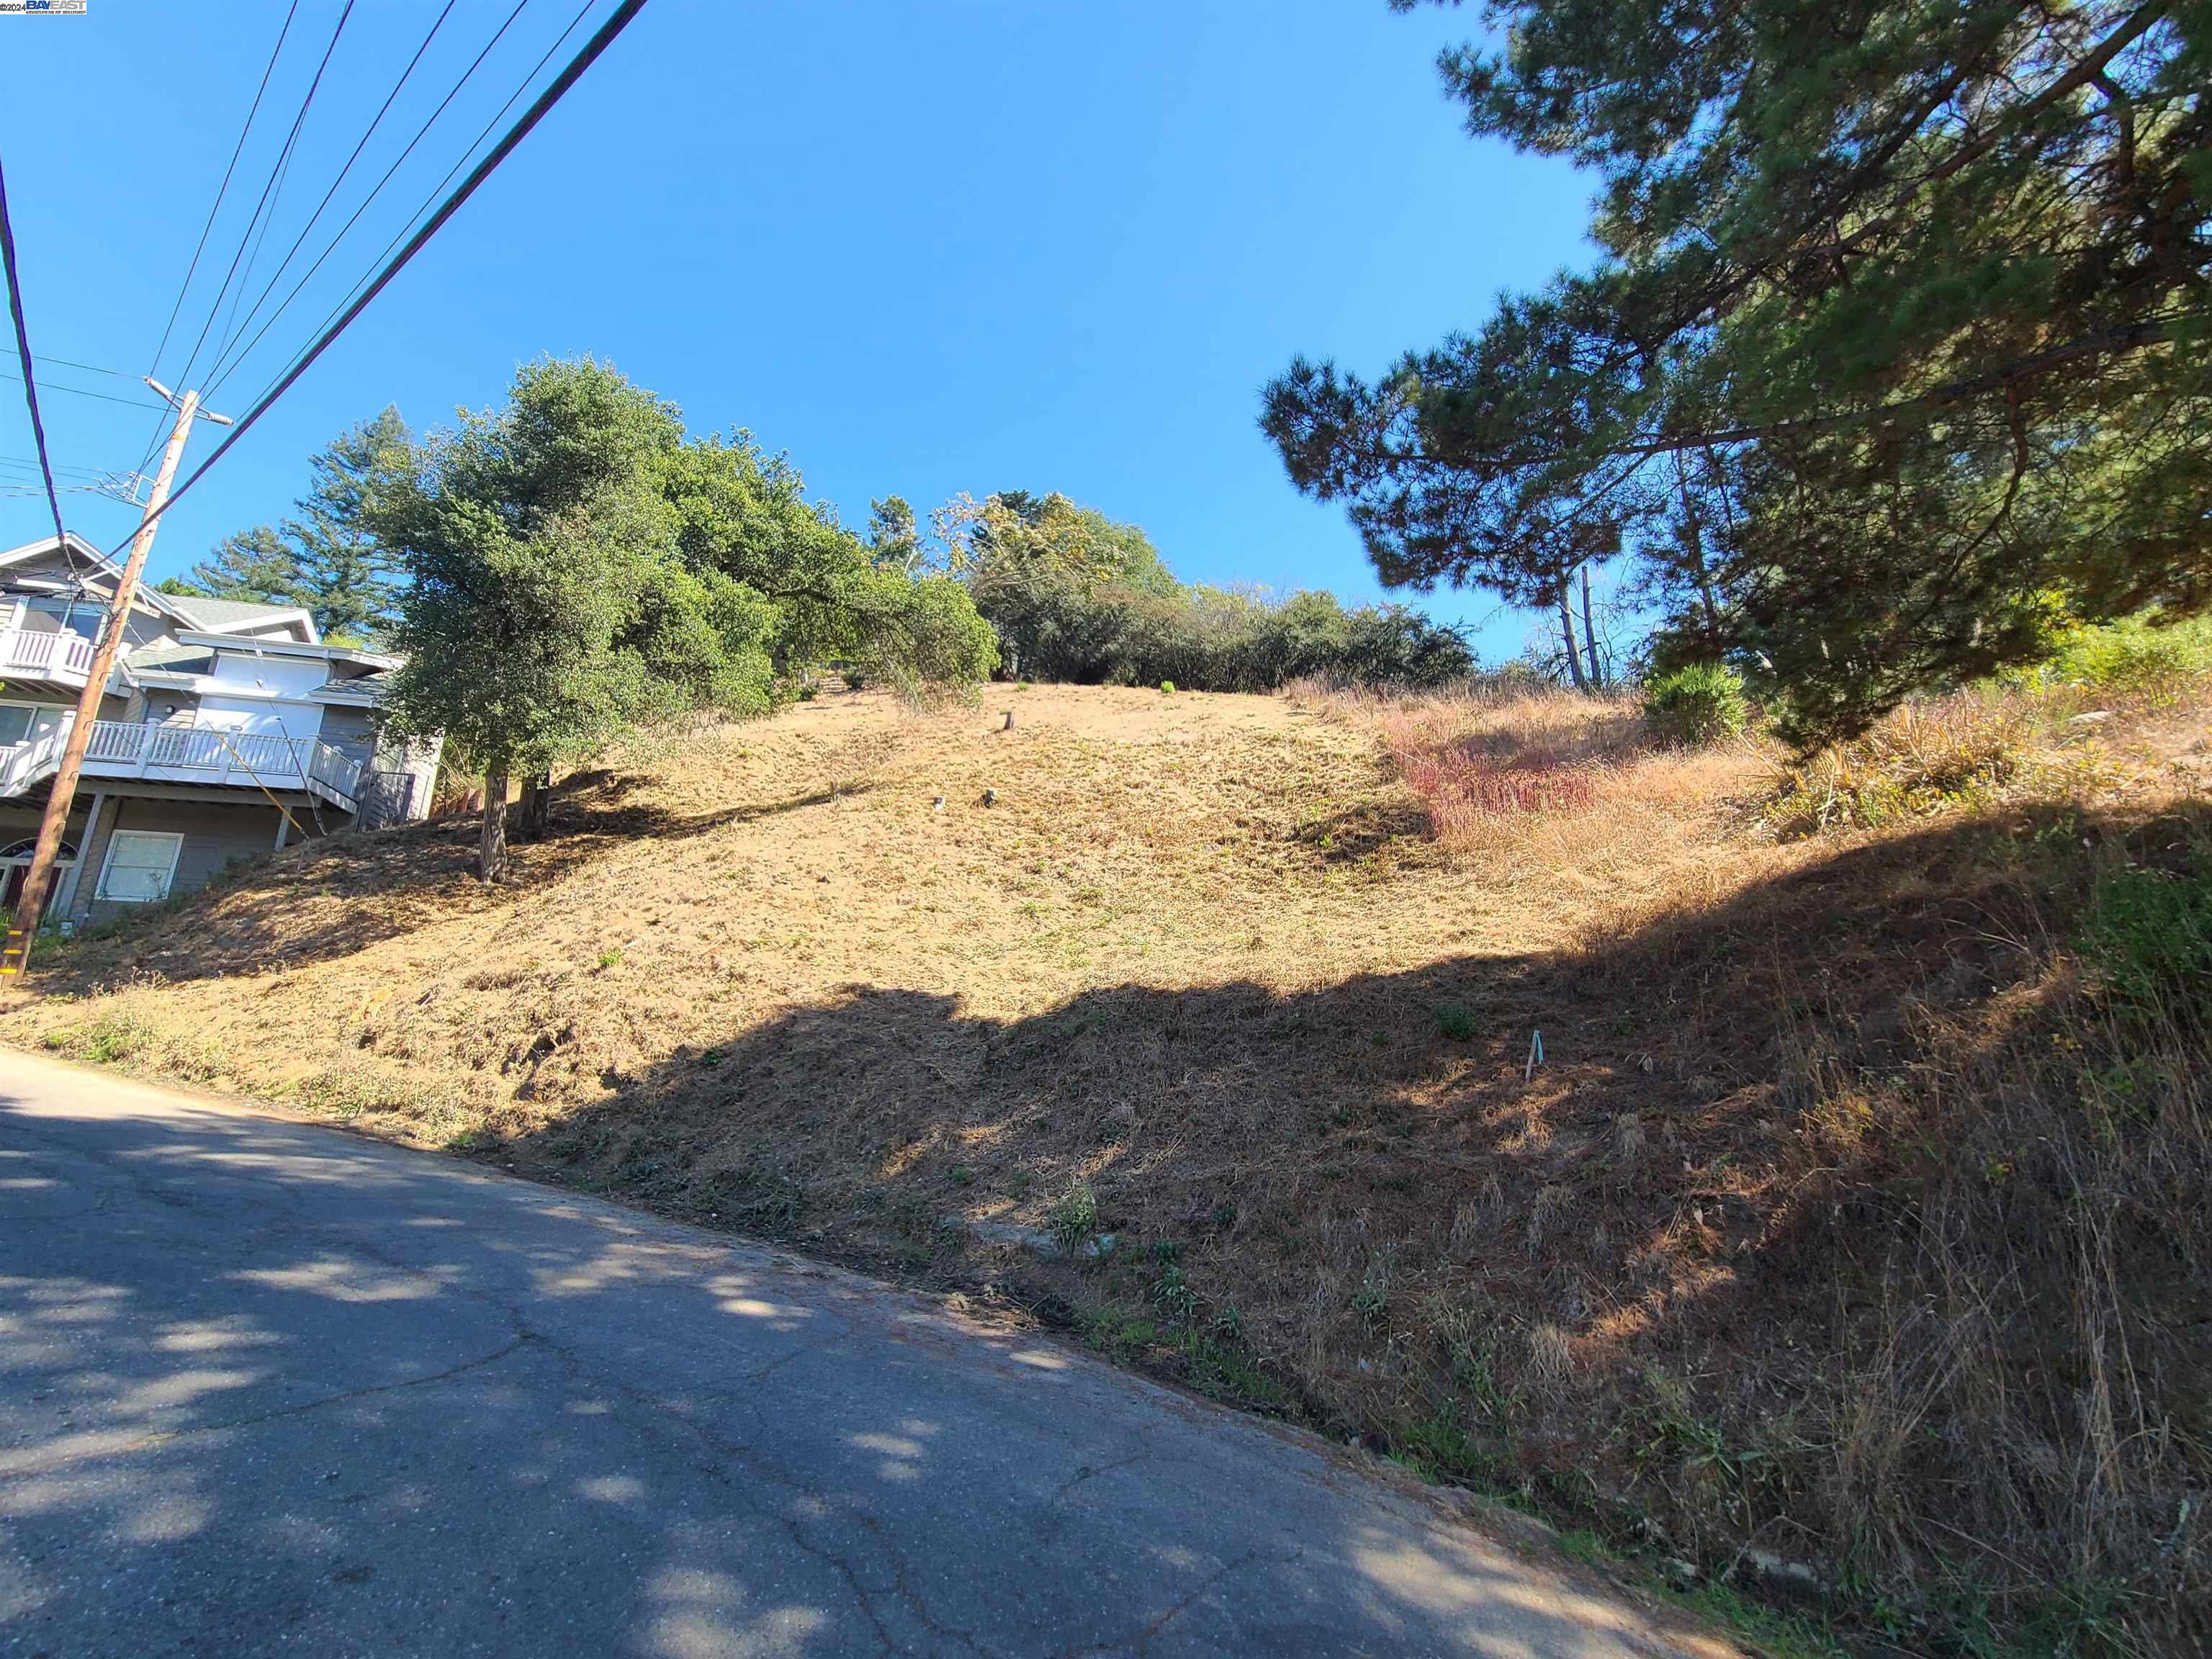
x=79 y=616
x=27 y=723
x=140 y=863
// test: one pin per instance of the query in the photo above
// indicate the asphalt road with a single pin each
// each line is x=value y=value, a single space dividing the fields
x=266 y=1388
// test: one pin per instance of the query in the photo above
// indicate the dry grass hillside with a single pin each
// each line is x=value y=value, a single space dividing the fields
x=1851 y=1217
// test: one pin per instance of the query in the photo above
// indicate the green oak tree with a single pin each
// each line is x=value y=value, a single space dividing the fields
x=577 y=567
x=1897 y=349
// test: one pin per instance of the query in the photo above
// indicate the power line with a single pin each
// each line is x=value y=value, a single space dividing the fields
x=223 y=373
x=79 y=392
x=291 y=252
x=283 y=178
x=12 y=463
x=33 y=461
x=470 y=148
x=215 y=208
x=283 y=158
x=89 y=368
x=467 y=150
x=23 y=354
x=556 y=89
x=15 y=492
x=223 y=189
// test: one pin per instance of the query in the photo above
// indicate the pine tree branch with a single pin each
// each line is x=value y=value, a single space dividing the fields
x=2129 y=337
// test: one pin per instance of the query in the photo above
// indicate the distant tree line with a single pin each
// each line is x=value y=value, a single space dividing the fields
x=1069 y=595
x=1074 y=596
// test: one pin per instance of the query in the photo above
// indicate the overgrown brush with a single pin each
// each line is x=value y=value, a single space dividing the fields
x=2158 y=664
x=1508 y=767
x=2013 y=1435
x=1932 y=756
x=1460 y=783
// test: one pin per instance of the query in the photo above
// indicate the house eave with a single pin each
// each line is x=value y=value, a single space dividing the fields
x=152 y=597
x=261 y=647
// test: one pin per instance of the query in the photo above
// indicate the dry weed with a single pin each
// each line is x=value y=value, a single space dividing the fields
x=1835 y=1132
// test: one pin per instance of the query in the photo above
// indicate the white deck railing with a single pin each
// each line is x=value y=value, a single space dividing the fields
x=64 y=656
x=199 y=754
x=189 y=754
x=22 y=764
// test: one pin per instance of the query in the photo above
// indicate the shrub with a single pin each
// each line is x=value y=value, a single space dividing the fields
x=854 y=679
x=1073 y=1218
x=1173 y=1296
x=1056 y=625
x=1167 y=688
x=1455 y=1021
x=2138 y=657
x=112 y=1038
x=1695 y=705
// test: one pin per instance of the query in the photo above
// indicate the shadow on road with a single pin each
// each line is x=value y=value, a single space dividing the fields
x=262 y=1384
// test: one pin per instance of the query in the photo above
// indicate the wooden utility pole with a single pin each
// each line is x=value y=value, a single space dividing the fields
x=15 y=952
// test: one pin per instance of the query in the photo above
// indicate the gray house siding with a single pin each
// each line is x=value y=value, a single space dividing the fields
x=352 y=731
x=143 y=627
x=212 y=663
x=391 y=798
x=214 y=835
x=19 y=822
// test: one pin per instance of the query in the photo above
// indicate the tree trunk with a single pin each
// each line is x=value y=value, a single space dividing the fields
x=1693 y=546
x=531 y=820
x=1567 y=634
x=492 y=863
x=1589 y=636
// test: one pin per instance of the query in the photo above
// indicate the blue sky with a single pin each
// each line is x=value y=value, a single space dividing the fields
x=972 y=245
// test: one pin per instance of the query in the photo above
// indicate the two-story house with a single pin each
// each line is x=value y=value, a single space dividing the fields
x=226 y=730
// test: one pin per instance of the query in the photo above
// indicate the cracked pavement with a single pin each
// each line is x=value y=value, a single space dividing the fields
x=267 y=1388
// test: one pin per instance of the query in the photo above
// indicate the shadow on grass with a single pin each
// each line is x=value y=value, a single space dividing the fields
x=1648 y=1277
x=1803 y=1181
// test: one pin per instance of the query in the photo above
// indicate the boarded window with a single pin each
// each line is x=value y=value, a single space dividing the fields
x=140 y=865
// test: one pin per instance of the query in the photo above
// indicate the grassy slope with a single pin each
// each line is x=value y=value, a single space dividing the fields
x=1794 y=1238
